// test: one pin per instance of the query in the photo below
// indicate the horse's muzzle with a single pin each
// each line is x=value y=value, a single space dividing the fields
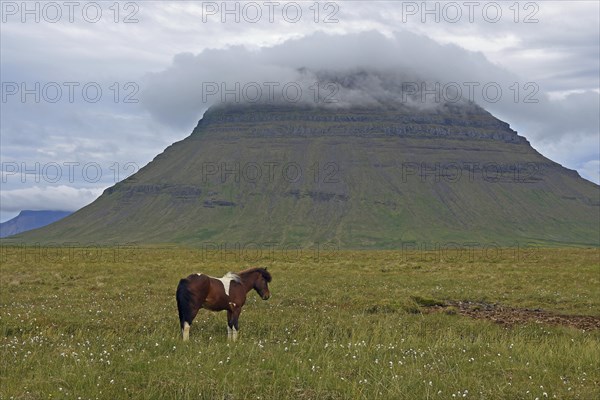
x=266 y=296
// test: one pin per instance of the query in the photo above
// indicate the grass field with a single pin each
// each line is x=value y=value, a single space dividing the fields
x=102 y=324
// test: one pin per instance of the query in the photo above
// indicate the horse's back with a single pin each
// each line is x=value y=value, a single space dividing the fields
x=197 y=283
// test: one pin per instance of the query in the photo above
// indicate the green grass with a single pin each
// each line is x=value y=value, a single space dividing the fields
x=82 y=324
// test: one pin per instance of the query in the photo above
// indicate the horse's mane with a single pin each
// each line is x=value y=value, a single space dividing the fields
x=233 y=276
x=263 y=271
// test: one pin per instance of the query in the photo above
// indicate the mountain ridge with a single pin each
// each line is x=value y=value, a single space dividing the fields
x=370 y=177
x=28 y=220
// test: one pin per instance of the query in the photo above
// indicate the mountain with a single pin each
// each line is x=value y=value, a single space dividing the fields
x=357 y=177
x=28 y=220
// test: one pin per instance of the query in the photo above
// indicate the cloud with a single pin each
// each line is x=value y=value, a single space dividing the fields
x=60 y=198
x=591 y=171
x=365 y=67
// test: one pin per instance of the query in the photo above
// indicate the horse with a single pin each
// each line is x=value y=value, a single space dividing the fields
x=217 y=294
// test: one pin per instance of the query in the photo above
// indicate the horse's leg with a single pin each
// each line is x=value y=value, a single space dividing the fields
x=229 y=329
x=189 y=302
x=187 y=322
x=185 y=329
x=233 y=322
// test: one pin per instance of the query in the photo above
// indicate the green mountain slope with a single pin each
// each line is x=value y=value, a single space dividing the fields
x=354 y=177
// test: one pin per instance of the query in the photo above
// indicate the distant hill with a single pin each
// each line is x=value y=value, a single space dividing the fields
x=358 y=177
x=28 y=220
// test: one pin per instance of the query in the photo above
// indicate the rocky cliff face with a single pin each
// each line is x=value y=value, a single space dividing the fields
x=370 y=177
x=468 y=121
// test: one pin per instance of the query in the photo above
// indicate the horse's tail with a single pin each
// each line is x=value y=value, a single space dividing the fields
x=183 y=303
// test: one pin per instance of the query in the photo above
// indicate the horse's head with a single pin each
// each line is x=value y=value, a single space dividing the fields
x=261 y=284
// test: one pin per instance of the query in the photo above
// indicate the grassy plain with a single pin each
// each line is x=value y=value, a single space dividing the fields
x=87 y=323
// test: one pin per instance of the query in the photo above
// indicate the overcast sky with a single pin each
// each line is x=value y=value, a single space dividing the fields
x=62 y=142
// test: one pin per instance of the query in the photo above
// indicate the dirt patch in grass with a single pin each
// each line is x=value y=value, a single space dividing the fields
x=512 y=316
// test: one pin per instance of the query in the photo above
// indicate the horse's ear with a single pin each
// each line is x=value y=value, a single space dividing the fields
x=266 y=268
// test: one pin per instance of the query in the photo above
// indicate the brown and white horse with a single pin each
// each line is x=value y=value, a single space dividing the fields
x=217 y=294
